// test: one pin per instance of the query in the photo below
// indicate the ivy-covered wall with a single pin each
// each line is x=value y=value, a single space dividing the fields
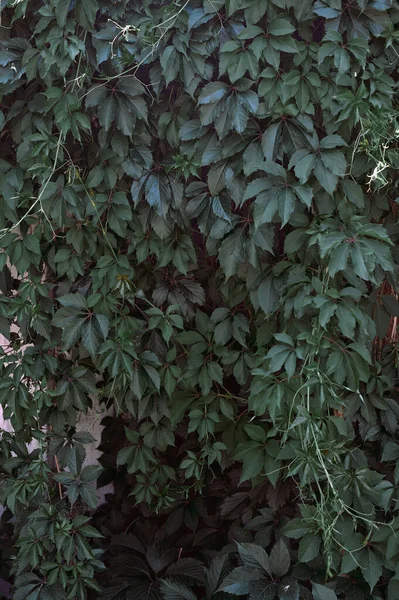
x=199 y=198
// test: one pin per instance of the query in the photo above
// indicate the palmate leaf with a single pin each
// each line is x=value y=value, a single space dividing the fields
x=327 y=168
x=228 y=108
x=76 y=322
x=28 y=587
x=277 y=193
x=363 y=252
x=175 y=167
x=123 y=104
x=238 y=60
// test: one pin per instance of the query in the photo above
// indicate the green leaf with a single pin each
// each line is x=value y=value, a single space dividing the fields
x=237 y=582
x=304 y=193
x=256 y=432
x=332 y=141
x=250 y=100
x=90 y=337
x=86 y=11
x=107 y=111
x=280 y=27
x=191 y=130
x=256 y=187
x=304 y=166
x=125 y=120
x=156 y=193
x=77 y=301
x=325 y=177
x=267 y=296
x=286 y=204
x=215 y=372
x=189 y=337
x=390 y=451
x=72 y=333
x=253 y=465
x=294 y=529
x=294 y=241
x=371 y=565
x=232 y=253
x=88 y=495
x=94 y=177
x=309 y=547
x=90 y=473
x=321 y=592
x=269 y=141
x=170 y=63
x=288 y=589
x=279 y=559
x=262 y=590
x=28 y=587
x=254 y=556
x=353 y=191
x=334 y=161
x=216 y=178
x=338 y=258
x=103 y=324
x=393 y=589
x=212 y=92
x=359 y=262
x=341 y=60
x=61 y=11
x=239 y=115
x=176 y=591
x=347 y=321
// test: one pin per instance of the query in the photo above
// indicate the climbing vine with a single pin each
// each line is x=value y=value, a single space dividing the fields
x=198 y=224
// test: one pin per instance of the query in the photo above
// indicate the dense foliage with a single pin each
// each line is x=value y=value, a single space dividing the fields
x=199 y=202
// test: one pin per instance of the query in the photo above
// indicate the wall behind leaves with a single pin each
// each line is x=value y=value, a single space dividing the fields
x=200 y=202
